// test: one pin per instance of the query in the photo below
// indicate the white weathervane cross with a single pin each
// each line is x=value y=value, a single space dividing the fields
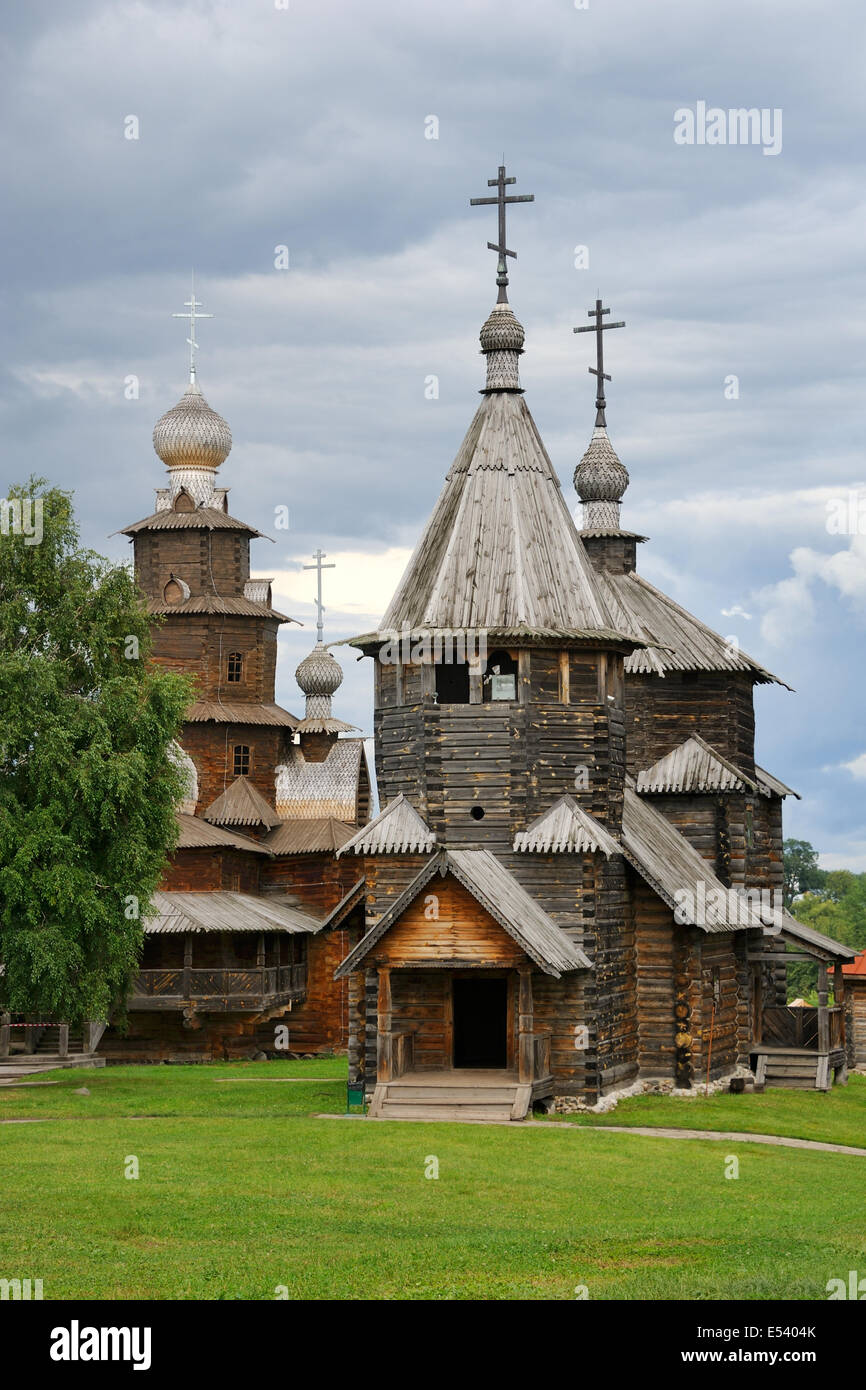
x=319 y=556
x=192 y=304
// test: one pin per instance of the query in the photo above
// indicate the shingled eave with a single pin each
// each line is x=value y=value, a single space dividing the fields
x=693 y=767
x=671 y=638
x=201 y=519
x=398 y=829
x=670 y=864
x=553 y=832
x=241 y=804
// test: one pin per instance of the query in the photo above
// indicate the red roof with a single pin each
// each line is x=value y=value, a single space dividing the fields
x=856 y=966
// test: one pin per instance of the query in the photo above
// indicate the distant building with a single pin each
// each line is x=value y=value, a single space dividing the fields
x=249 y=919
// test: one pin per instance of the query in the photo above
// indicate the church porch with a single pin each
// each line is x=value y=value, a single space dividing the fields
x=799 y=1045
x=458 y=1044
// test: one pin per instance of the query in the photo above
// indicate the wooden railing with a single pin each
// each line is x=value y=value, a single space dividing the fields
x=403 y=1053
x=229 y=981
x=783 y=1026
x=837 y=1028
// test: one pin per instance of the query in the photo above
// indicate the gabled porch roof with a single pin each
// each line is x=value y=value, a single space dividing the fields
x=499 y=893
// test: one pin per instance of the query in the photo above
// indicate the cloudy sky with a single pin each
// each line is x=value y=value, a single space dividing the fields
x=306 y=125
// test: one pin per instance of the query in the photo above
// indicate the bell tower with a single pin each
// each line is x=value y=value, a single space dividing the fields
x=218 y=624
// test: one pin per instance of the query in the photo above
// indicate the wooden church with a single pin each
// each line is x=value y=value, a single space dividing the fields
x=570 y=887
x=245 y=936
x=573 y=886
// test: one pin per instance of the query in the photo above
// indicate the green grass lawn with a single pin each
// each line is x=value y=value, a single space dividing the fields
x=835 y=1117
x=242 y=1190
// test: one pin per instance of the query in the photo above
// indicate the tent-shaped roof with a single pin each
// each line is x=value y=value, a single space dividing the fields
x=499 y=893
x=241 y=804
x=566 y=828
x=500 y=552
x=398 y=829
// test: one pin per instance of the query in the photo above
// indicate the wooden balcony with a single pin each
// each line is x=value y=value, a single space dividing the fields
x=228 y=989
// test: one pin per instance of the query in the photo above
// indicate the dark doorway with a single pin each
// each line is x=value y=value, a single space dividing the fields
x=480 y=1022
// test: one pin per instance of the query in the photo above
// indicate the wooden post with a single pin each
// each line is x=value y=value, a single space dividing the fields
x=384 y=1041
x=63 y=1043
x=525 y=1028
x=5 y=1034
x=823 y=1016
x=29 y=1035
x=187 y=965
x=565 y=678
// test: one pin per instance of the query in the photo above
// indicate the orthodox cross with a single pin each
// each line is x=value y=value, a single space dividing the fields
x=501 y=199
x=318 y=556
x=191 y=305
x=598 y=328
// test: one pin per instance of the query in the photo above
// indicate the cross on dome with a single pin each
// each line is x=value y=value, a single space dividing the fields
x=191 y=305
x=501 y=200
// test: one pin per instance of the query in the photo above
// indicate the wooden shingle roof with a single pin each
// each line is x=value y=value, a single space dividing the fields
x=231 y=912
x=499 y=893
x=500 y=552
x=316 y=836
x=239 y=712
x=308 y=790
x=196 y=833
x=398 y=829
x=241 y=804
x=680 y=876
x=693 y=766
x=201 y=519
x=566 y=828
x=673 y=639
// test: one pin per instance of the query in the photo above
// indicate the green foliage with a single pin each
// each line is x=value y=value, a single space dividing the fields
x=801 y=869
x=87 y=791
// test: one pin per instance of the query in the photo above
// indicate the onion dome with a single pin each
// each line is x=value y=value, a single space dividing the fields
x=319 y=676
x=502 y=342
x=191 y=434
x=600 y=480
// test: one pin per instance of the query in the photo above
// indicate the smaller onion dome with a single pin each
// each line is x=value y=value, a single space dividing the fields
x=191 y=434
x=502 y=341
x=318 y=676
x=319 y=673
x=502 y=331
x=600 y=481
x=600 y=477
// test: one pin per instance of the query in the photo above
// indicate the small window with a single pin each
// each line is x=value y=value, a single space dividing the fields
x=500 y=678
x=183 y=502
x=242 y=760
x=452 y=683
x=235 y=667
x=477 y=813
x=175 y=590
x=750 y=826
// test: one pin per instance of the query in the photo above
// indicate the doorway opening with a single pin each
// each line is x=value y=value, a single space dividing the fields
x=480 y=1022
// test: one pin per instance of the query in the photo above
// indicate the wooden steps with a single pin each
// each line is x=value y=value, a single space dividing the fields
x=420 y=1100
x=794 y=1068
